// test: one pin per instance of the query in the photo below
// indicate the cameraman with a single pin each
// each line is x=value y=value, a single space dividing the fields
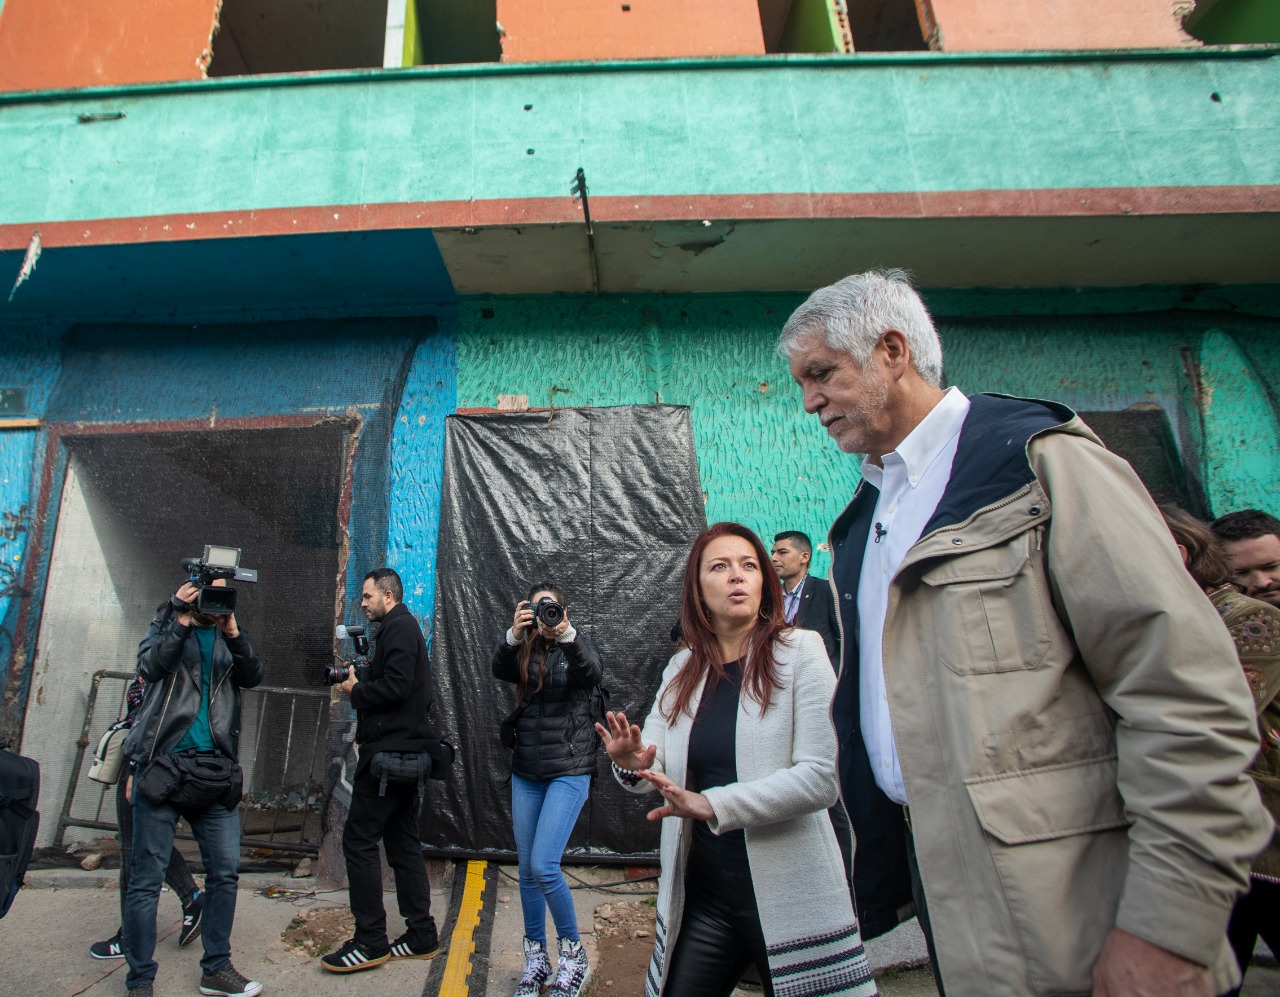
x=391 y=703
x=195 y=666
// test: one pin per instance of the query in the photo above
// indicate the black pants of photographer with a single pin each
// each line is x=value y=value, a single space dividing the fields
x=393 y=819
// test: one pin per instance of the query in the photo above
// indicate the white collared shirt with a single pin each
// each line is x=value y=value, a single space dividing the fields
x=791 y=599
x=911 y=484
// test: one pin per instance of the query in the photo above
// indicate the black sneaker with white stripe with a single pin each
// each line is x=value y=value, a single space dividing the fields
x=353 y=958
x=191 y=914
x=112 y=948
x=402 y=949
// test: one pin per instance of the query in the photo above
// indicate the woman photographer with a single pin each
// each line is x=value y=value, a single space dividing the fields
x=741 y=747
x=555 y=669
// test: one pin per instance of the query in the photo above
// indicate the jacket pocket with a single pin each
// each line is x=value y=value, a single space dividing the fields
x=990 y=609
x=1058 y=840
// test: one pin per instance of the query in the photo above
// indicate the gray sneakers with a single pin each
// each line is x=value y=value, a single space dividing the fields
x=537 y=969
x=572 y=972
x=227 y=982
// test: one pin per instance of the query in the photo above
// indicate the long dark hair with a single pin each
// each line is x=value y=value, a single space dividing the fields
x=535 y=642
x=759 y=670
x=1207 y=559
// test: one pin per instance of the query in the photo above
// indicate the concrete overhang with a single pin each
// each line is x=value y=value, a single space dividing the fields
x=384 y=191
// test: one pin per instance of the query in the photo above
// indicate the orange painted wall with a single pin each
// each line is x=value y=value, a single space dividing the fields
x=977 y=25
x=553 y=30
x=81 y=43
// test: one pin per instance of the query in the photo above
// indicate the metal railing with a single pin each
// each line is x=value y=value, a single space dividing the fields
x=281 y=752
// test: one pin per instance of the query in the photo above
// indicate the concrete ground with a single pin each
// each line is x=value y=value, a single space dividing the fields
x=45 y=938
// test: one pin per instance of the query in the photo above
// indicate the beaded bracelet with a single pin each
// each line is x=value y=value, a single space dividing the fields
x=625 y=776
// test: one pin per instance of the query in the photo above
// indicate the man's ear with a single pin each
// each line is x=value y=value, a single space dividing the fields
x=806 y=556
x=897 y=353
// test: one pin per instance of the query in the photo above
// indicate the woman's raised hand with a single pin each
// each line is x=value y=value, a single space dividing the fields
x=623 y=742
x=522 y=620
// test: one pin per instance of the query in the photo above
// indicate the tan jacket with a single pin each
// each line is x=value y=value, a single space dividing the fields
x=1071 y=721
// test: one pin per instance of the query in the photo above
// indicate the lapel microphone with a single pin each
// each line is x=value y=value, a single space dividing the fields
x=881 y=533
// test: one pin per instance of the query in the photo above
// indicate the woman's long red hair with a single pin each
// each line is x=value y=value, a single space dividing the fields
x=759 y=670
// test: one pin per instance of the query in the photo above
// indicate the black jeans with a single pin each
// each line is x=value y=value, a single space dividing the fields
x=1256 y=913
x=393 y=820
x=922 y=910
x=720 y=935
x=177 y=874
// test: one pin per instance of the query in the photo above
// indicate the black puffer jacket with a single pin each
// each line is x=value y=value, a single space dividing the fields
x=169 y=662
x=555 y=733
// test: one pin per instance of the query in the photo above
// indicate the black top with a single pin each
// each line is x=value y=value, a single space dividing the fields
x=713 y=762
x=555 y=731
x=393 y=702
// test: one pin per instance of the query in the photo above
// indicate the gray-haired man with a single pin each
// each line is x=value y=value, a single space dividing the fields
x=1030 y=678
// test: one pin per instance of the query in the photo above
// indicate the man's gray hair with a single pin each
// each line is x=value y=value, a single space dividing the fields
x=852 y=314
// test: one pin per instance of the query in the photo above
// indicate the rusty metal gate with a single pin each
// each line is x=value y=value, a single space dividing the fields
x=285 y=775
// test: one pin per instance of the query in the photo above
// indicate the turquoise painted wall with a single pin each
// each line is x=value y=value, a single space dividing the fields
x=765 y=463
x=927 y=122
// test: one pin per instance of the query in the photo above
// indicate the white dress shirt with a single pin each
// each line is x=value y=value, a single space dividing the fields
x=791 y=600
x=911 y=484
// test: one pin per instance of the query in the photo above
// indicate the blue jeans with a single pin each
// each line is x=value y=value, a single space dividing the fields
x=218 y=832
x=543 y=815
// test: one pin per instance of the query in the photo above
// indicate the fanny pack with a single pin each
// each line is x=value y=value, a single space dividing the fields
x=108 y=756
x=192 y=781
x=400 y=768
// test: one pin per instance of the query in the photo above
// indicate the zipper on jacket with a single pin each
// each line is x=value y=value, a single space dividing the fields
x=160 y=723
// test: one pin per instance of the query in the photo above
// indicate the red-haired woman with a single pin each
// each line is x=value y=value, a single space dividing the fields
x=740 y=745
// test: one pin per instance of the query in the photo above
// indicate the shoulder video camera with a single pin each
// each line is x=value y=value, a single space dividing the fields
x=337 y=673
x=218 y=562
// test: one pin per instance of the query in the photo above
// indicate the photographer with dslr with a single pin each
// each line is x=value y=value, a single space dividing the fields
x=391 y=697
x=183 y=750
x=557 y=672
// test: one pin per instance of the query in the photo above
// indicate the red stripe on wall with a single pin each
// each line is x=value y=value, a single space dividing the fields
x=721 y=207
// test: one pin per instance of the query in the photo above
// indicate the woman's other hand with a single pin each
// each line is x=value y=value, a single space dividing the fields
x=522 y=621
x=623 y=743
x=680 y=802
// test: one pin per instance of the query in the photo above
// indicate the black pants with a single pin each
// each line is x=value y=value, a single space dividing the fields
x=393 y=820
x=922 y=910
x=1256 y=913
x=720 y=935
x=177 y=874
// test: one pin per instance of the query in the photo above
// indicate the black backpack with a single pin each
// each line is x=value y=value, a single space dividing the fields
x=19 y=821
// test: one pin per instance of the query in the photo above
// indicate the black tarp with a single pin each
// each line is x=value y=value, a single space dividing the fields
x=605 y=503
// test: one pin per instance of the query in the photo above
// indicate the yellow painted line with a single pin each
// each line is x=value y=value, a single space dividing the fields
x=457 y=970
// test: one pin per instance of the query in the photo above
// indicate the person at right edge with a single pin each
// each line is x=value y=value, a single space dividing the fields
x=555 y=670
x=391 y=706
x=1043 y=727
x=1254 y=625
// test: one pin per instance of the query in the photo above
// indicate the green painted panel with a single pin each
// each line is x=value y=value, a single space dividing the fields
x=1237 y=22
x=782 y=125
x=1241 y=428
x=413 y=49
x=810 y=28
x=766 y=463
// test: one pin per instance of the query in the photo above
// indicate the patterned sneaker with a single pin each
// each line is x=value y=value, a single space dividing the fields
x=353 y=958
x=112 y=948
x=227 y=982
x=191 y=914
x=572 y=973
x=401 y=949
x=537 y=969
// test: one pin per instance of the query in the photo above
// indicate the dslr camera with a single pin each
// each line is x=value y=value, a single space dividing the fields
x=337 y=673
x=548 y=612
x=218 y=562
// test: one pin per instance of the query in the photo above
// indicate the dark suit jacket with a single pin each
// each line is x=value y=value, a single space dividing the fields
x=817 y=611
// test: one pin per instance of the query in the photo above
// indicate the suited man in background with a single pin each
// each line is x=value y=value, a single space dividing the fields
x=806 y=599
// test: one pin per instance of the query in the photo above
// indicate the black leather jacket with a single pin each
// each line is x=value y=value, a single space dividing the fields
x=169 y=662
x=555 y=733
x=392 y=704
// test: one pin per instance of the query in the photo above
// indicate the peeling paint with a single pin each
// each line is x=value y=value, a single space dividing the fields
x=28 y=263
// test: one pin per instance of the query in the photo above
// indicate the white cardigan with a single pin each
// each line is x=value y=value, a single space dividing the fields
x=786 y=780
